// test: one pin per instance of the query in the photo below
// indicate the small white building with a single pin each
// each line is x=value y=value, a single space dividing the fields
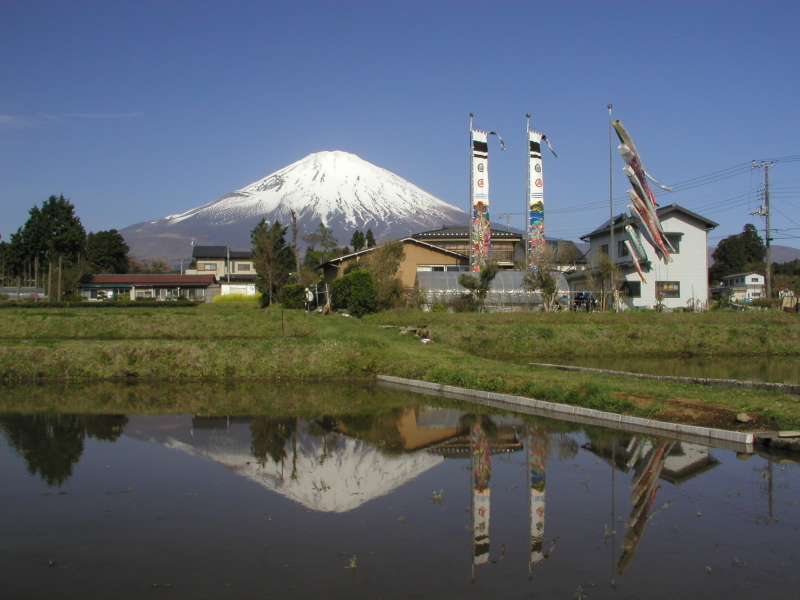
x=741 y=287
x=676 y=284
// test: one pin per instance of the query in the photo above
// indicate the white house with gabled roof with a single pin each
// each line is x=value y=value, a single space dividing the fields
x=676 y=283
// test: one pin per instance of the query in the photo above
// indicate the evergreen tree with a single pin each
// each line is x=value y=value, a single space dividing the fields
x=273 y=259
x=357 y=241
x=370 y=239
x=107 y=252
x=737 y=254
x=51 y=232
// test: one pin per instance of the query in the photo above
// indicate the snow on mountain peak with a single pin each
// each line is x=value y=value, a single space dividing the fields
x=342 y=190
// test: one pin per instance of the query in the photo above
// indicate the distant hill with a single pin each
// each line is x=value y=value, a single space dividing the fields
x=780 y=254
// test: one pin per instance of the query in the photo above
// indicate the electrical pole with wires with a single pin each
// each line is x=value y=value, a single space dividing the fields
x=763 y=211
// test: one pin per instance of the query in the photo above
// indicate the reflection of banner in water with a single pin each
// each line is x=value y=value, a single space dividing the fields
x=537 y=456
x=481 y=238
x=481 y=476
x=645 y=486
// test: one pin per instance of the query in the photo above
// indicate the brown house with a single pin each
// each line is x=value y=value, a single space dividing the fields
x=419 y=256
x=508 y=247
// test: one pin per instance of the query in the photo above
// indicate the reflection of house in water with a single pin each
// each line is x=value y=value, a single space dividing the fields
x=683 y=462
x=675 y=462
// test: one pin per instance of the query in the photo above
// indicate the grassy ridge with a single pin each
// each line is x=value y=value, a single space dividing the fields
x=238 y=343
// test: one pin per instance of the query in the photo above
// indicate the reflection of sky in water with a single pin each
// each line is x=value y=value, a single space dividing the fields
x=172 y=502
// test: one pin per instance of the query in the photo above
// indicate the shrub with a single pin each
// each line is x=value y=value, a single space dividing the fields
x=354 y=292
x=293 y=295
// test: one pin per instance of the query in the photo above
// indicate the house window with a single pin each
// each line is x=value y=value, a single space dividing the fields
x=674 y=241
x=754 y=279
x=668 y=289
x=243 y=266
x=93 y=294
x=603 y=249
x=209 y=266
x=622 y=249
x=457 y=268
x=144 y=293
x=631 y=289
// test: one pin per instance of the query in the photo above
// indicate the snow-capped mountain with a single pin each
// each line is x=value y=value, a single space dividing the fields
x=341 y=190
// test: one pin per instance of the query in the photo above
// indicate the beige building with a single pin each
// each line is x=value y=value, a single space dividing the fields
x=234 y=269
x=419 y=256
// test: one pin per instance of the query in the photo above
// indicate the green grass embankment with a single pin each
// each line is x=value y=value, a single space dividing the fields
x=232 y=342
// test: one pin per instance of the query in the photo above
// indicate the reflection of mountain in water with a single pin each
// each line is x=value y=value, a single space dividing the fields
x=320 y=467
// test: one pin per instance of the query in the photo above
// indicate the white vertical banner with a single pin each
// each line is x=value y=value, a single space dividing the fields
x=480 y=238
x=535 y=200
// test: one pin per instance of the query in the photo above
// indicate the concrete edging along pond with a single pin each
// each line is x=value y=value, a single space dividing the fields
x=787 y=388
x=720 y=438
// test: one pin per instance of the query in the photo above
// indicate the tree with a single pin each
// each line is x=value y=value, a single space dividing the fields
x=384 y=263
x=151 y=266
x=604 y=279
x=354 y=292
x=5 y=251
x=540 y=273
x=107 y=252
x=370 y=239
x=357 y=241
x=51 y=232
x=272 y=258
x=328 y=243
x=479 y=286
x=539 y=278
x=737 y=254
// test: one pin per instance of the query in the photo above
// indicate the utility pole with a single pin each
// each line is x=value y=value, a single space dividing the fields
x=507 y=217
x=763 y=211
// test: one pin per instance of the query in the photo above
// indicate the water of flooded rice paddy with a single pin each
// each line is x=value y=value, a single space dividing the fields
x=418 y=502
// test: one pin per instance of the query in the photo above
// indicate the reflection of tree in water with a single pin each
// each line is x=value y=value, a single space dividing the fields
x=381 y=430
x=52 y=444
x=468 y=420
x=270 y=436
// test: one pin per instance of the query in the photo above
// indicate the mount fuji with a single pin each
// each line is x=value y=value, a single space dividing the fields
x=341 y=190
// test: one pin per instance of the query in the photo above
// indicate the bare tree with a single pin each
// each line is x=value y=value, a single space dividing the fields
x=272 y=259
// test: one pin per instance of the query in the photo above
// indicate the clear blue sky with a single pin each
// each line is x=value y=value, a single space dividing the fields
x=137 y=110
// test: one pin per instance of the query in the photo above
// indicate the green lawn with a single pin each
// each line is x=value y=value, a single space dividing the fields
x=239 y=343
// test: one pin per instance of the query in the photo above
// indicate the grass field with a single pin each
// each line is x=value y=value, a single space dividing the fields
x=239 y=342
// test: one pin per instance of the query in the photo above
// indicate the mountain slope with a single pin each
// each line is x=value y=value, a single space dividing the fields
x=337 y=188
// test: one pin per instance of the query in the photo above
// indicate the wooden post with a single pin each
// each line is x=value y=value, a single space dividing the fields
x=35 y=278
x=49 y=279
x=59 y=277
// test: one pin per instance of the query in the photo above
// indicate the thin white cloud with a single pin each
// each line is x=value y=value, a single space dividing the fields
x=16 y=122
x=130 y=115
